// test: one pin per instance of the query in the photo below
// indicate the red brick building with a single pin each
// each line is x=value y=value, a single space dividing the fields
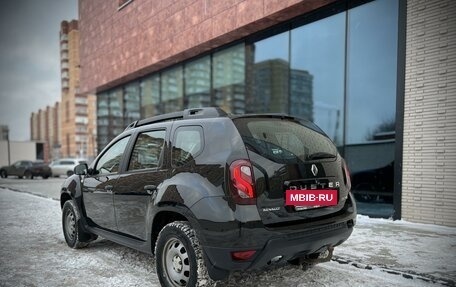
x=375 y=75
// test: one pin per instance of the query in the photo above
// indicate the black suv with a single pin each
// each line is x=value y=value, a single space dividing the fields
x=209 y=193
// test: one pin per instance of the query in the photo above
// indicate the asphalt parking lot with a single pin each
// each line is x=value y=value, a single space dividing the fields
x=49 y=188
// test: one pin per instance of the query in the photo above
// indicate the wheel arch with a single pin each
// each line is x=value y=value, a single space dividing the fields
x=64 y=197
x=164 y=217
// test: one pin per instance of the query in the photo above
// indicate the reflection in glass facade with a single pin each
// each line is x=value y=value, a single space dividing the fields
x=116 y=111
x=268 y=75
x=172 y=90
x=198 y=83
x=131 y=103
x=103 y=126
x=317 y=65
x=228 y=79
x=338 y=71
x=150 y=96
x=371 y=104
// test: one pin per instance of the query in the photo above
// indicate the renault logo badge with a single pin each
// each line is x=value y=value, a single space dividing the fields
x=314 y=169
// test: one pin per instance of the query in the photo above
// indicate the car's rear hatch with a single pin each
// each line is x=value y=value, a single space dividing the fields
x=291 y=154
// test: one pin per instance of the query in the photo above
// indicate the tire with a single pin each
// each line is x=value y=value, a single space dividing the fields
x=28 y=174
x=45 y=176
x=75 y=237
x=3 y=173
x=69 y=173
x=179 y=258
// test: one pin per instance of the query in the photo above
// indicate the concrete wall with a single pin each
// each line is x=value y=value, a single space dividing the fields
x=145 y=36
x=429 y=161
x=18 y=151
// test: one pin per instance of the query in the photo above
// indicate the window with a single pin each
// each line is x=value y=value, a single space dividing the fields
x=110 y=161
x=198 y=83
x=150 y=96
x=131 y=102
x=372 y=73
x=269 y=77
x=172 y=90
x=285 y=141
x=188 y=144
x=317 y=74
x=147 y=150
x=371 y=104
x=228 y=79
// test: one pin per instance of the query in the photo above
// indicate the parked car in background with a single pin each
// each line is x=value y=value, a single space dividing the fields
x=65 y=166
x=26 y=168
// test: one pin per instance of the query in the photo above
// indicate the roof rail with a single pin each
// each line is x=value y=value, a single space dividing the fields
x=196 y=113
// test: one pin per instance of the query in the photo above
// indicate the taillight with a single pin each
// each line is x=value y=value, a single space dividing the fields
x=347 y=175
x=242 y=182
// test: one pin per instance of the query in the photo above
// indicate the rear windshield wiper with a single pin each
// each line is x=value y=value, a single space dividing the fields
x=320 y=155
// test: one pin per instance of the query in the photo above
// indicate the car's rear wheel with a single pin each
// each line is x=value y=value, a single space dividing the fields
x=3 y=174
x=28 y=174
x=179 y=258
x=75 y=237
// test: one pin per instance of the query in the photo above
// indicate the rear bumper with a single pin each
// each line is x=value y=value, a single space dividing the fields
x=288 y=247
x=287 y=242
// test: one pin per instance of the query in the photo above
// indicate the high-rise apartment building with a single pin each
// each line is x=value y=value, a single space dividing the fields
x=77 y=129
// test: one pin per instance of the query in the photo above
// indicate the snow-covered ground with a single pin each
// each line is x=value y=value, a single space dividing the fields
x=379 y=253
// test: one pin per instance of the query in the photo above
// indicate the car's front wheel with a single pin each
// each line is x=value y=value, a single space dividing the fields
x=179 y=258
x=75 y=237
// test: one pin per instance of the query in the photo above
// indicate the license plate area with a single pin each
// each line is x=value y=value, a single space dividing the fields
x=310 y=199
x=316 y=193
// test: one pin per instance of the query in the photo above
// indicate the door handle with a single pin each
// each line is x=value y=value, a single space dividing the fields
x=150 y=188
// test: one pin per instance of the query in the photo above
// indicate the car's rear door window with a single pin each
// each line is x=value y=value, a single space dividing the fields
x=285 y=140
x=188 y=143
x=147 y=150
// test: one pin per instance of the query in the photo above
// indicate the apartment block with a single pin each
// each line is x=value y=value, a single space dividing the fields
x=44 y=128
x=77 y=112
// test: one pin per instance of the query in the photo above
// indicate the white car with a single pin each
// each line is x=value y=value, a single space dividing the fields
x=65 y=166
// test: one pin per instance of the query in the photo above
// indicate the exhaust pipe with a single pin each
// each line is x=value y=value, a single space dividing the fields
x=324 y=256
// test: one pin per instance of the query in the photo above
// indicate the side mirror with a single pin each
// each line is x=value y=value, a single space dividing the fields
x=81 y=169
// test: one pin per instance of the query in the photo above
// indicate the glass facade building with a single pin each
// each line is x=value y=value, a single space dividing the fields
x=337 y=68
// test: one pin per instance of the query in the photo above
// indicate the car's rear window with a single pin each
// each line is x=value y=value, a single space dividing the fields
x=285 y=140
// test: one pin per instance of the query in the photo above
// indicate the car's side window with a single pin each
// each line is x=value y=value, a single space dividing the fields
x=187 y=144
x=17 y=164
x=147 y=150
x=110 y=161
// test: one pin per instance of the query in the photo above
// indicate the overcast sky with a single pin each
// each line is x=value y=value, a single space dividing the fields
x=29 y=59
